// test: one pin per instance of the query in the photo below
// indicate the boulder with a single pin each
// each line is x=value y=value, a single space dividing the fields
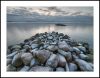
x=52 y=48
x=83 y=65
x=83 y=56
x=67 y=55
x=16 y=47
x=72 y=67
x=12 y=55
x=64 y=46
x=62 y=61
x=9 y=61
x=25 y=68
x=75 y=49
x=81 y=48
x=67 y=67
x=34 y=46
x=41 y=69
x=17 y=60
x=26 y=58
x=52 y=61
x=11 y=68
x=60 y=69
x=33 y=62
x=43 y=55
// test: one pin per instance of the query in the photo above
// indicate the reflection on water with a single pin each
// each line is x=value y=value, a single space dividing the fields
x=18 y=32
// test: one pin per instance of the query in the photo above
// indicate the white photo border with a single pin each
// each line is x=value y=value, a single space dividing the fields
x=94 y=4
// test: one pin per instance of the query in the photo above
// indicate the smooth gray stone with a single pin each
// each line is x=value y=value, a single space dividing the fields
x=72 y=67
x=83 y=65
x=34 y=46
x=12 y=54
x=64 y=46
x=83 y=56
x=52 y=61
x=67 y=67
x=62 y=61
x=11 y=68
x=42 y=56
x=26 y=58
x=82 y=48
x=17 y=60
x=60 y=69
x=41 y=69
x=25 y=68
x=9 y=61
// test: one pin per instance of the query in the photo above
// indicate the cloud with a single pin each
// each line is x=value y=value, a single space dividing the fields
x=52 y=11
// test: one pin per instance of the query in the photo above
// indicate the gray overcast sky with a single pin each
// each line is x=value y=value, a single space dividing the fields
x=54 y=11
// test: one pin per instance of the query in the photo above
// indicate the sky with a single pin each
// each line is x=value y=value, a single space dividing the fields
x=51 y=11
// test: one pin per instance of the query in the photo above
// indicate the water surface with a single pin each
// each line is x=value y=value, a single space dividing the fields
x=19 y=31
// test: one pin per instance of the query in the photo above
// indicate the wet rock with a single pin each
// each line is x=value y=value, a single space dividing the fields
x=41 y=69
x=9 y=61
x=12 y=54
x=67 y=55
x=26 y=58
x=8 y=51
x=34 y=46
x=74 y=57
x=25 y=68
x=83 y=65
x=83 y=56
x=43 y=55
x=75 y=49
x=60 y=69
x=72 y=67
x=33 y=62
x=50 y=37
x=17 y=60
x=16 y=47
x=52 y=61
x=66 y=67
x=63 y=45
x=52 y=48
x=26 y=47
x=11 y=68
x=82 y=48
x=62 y=61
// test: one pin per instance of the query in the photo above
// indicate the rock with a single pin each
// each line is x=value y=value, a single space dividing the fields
x=91 y=65
x=66 y=67
x=52 y=61
x=74 y=57
x=16 y=47
x=52 y=48
x=34 y=46
x=9 y=61
x=62 y=61
x=63 y=45
x=83 y=56
x=72 y=67
x=50 y=37
x=83 y=65
x=60 y=69
x=8 y=51
x=33 y=62
x=26 y=47
x=67 y=55
x=75 y=49
x=41 y=69
x=82 y=48
x=25 y=68
x=26 y=58
x=43 y=55
x=11 y=68
x=17 y=60
x=12 y=54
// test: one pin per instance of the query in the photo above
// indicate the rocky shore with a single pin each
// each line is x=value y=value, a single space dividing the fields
x=49 y=52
